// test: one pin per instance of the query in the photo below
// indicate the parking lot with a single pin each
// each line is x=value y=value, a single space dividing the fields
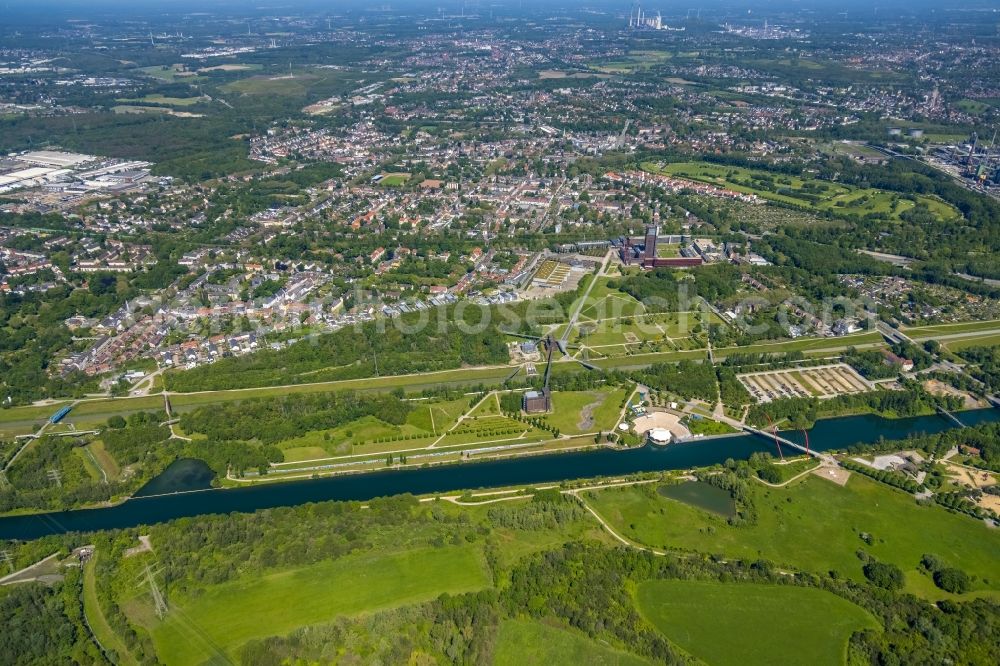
x=824 y=381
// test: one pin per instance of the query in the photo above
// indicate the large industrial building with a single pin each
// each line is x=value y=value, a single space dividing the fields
x=535 y=402
x=644 y=253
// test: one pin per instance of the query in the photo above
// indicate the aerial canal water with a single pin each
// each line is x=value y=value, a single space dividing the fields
x=183 y=490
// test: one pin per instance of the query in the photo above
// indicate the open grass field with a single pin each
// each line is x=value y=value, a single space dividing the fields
x=747 y=625
x=642 y=360
x=805 y=344
x=290 y=86
x=577 y=412
x=988 y=340
x=344 y=439
x=169 y=73
x=531 y=642
x=171 y=101
x=946 y=329
x=815 y=525
x=636 y=60
x=216 y=623
x=300 y=453
x=232 y=67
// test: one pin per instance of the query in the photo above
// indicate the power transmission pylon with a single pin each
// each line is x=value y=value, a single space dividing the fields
x=159 y=603
x=55 y=476
x=5 y=556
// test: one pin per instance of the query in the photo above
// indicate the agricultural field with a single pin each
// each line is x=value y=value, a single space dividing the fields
x=205 y=626
x=825 y=381
x=747 y=625
x=815 y=525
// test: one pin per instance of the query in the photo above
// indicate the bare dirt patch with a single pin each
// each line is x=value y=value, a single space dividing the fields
x=586 y=421
x=838 y=475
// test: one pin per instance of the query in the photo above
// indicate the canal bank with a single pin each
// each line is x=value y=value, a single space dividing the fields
x=185 y=501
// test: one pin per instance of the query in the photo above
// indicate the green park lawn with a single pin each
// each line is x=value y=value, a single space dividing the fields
x=815 y=525
x=525 y=641
x=568 y=408
x=740 y=624
x=217 y=622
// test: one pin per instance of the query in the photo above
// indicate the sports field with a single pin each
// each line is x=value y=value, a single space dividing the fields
x=394 y=179
x=814 y=525
x=214 y=624
x=740 y=624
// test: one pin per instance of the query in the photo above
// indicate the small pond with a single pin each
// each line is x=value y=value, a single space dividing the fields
x=702 y=495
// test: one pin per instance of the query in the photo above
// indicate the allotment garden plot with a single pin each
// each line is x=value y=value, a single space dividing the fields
x=824 y=381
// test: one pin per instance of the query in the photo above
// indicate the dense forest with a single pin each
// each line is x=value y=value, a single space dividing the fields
x=44 y=625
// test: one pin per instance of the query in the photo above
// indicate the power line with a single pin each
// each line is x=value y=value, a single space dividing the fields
x=159 y=603
x=55 y=476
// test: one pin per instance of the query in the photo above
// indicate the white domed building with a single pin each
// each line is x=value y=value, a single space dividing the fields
x=659 y=436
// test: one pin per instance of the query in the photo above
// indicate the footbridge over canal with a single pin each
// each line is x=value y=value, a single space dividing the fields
x=787 y=442
x=781 y=441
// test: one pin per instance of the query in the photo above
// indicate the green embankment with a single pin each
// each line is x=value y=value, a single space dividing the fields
x=218 y=621
x=105 y=635
x=746 y=625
